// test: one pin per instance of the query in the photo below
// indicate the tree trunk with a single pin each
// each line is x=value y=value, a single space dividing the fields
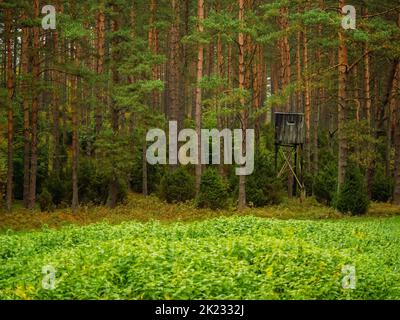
x=10 y=113
x=390 y=108
x=396 y=194
x=100 y=48
x=342 y=104
x=299 y=92
x=153 y=44
x=174 y=66
x=75 y=142
x=25 y=109
x=200 y=59
x=145 y=189
x=243 y=115
x=35 y=110
x=318 y=105
x=307 y=102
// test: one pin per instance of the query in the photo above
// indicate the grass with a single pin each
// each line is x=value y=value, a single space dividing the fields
x=143 y=209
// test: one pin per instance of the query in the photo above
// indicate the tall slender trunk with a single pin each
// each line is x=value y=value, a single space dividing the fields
x=368 y=106
x=342 y=104
x=200 y=59
x=390 y=108
x=396 y=80
x=318 y=105
x=174 y=65
x=25 y=109
x=75 y=142
x=243 y=115
x=115 y=112
x=299 y=92
x=285 y=77
x=307 y=101
x=56 y=102
x=153 y=44
x=145 y=188
x=100 y=48
x=35 y=109
x=10 y=112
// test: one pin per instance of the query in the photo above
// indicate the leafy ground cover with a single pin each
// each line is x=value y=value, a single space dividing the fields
x=236 y=257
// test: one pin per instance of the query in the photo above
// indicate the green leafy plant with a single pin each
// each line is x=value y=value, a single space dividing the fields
x=213 y=190
x=177 y=186
x=353 y=196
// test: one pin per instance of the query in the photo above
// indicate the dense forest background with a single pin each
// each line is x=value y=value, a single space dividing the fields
x=76 y=101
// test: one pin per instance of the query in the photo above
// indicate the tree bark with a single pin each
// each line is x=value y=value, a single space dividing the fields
x=200 y=59
x=35 y=109
x=100 y=48
x=396 y=194
x=307 y=101
x=174 y=66
x=390 y=108
x=10 y=111
x=75 y=142
x=243 y=115
x=25 y=109
x=342 y=104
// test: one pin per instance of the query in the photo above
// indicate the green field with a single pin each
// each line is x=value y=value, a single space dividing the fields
x=240 y=257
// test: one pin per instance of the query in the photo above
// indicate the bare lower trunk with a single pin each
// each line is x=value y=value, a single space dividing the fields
x=10 y=113
x=145 y=189
x=200 y=59
x=25 y=106
x=242 y=179
x=342 y=105
x=35 y=110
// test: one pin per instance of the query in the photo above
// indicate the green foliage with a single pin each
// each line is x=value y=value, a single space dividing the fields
x=382 y=187
x=213 y=190
x=57 y=188
x=45 y=201
x=154 y=175
x=224 y=258
x=177 y=186
x=93 y=184
x=353 y=196
x=325 y=183
x=262 y=186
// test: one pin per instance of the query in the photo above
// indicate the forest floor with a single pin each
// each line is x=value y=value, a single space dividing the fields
x=144 y=209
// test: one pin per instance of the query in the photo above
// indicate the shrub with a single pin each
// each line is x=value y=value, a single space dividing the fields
x=117 y=192
x=382 y=187
x=45 y=201
x=325 y=184
x=262 y=186
x=93 y=184
x=177 y=186
x=154 y=174
x=213 y=191
x=57 y=188
x=353 y=196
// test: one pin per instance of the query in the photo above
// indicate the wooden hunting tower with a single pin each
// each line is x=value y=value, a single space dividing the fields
x=289 y=129
x=290 y=134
